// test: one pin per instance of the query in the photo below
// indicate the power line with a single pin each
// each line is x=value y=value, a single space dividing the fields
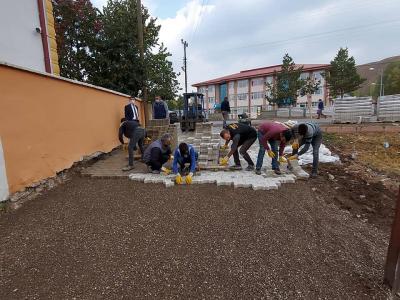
x=321 y=34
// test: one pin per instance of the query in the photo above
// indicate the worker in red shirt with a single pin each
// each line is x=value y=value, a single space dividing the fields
x=277 y=135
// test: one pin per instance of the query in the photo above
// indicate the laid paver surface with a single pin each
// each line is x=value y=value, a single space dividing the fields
x=115 y=238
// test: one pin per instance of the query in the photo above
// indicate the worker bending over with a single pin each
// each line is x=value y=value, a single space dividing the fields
x=157 y=154
x=136 y=135
x=242 y=136
x=308 y=133
x=273 y=133
x=184 y=154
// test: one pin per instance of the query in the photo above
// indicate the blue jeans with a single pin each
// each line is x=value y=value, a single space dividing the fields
x=261 y=153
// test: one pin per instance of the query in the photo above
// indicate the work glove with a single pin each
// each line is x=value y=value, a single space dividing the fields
x=293 y=157
x=295 y=146
x=271 y=153
x=166 y=171
x=282 y=159
x=178 y=179
x=171 y=158
x=224 y=161
x=189 y=178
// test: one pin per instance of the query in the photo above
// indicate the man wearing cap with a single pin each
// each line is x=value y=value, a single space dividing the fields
x=277 y=135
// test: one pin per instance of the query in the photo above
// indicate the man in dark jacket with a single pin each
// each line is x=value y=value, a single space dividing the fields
x=160 y=109
x=241 y=135
x=158 y=153
x=320 y=109
x=308 y=133
x=225 y=110
x=131 y=111
x=136 y=135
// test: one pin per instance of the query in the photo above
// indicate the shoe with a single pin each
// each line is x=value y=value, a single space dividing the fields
x=236 y=168
x=314 y=175
x=258 y=172
x=250 y=168
x=277 y=172
x=127 y=168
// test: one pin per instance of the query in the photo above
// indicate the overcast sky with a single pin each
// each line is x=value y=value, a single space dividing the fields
x=227 y=36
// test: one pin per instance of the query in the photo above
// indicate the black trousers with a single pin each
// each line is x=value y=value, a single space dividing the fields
x=137 y=139
x=243 y=151
x=157 y=159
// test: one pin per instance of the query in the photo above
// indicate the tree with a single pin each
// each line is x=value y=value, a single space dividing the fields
x=77 y=25
x=310 y=85
x=285 y=89
x=119 y=65
x=176 y=104
x=390 y=80
x=342 y=76
x=103 y=48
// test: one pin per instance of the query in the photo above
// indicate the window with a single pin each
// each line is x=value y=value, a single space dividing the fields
x=211 y=99
x=304 y=76
x=317 y=75
x=257 y=95
x=232 y=97
x=242 y=96
x=257 y=81
x=202 y=90
x=231 y=85
x=211 y=89
x=318 y=91
x=269 y=80
x=242 y=83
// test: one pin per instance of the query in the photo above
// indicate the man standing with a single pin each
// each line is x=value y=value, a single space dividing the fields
x=184 y=154
x=241 y=135
x=157 y=154
x=225 y=110
x=131 y=111
x=308 y=133
x=320 y=109
x=272 y=133
x=160 y=109
x=136 y=135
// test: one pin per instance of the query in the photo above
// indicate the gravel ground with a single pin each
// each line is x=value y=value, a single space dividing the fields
x=113 y=238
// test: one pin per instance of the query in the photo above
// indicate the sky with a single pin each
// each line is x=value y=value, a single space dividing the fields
x=227 y=36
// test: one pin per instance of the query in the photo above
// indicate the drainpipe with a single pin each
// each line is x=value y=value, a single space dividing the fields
x=43 y=32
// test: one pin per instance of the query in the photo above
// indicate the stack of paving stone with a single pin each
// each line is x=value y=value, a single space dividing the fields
x=353 y=110
x=207 y=144
x=389 y=108
x=156 y=128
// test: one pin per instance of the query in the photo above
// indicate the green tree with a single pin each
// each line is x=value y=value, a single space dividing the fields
x=342 y=76
x=176 y=104
x=285 y=89
x=103 y=48
x=77 y=25
x=391 y=80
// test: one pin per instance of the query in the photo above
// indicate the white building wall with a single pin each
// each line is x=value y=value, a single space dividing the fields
x=4 y=192
x=20 y=44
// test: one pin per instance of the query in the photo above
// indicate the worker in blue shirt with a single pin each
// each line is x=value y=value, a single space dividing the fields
x=184 y=154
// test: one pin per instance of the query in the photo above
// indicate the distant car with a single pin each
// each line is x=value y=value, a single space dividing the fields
x=173 y=117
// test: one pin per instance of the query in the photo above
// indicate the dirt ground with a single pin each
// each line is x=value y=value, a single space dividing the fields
x=113 y=238
x=367 y=181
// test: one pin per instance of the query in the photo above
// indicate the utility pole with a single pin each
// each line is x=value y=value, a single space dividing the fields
x=141 y=49
x=184 y=68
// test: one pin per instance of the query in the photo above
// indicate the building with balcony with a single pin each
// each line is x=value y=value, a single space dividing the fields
x=247 y=90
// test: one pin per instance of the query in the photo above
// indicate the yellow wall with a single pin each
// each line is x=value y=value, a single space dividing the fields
x=51 y=37
x=47 y=124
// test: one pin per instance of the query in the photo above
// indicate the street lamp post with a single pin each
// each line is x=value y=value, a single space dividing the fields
x=381 y=84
